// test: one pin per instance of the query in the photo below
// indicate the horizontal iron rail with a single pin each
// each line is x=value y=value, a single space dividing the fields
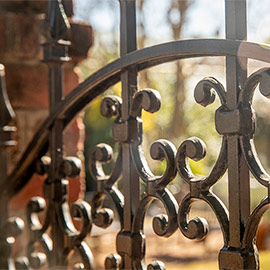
x=109 y=75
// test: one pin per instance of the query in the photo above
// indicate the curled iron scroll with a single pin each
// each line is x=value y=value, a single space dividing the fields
x=195 y=149
x=103 y=217
x=150 y=100
x=38 y=232
x=261 y=77
x=253 y=223
x=204 y=94
x=102 y=154
x=163 y=225
x=199 y=190
x=160 y=150
x=79 y=210
x=197 y=228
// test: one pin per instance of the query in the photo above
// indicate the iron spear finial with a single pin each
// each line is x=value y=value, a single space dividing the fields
x=56 y=23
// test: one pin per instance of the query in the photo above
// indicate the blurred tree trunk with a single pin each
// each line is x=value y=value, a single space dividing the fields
x=177 y=17
x=144 y=79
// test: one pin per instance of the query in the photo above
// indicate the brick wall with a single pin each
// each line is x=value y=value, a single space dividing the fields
x=27 y=82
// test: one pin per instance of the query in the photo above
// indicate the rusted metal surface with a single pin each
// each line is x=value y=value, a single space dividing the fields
x=56 y=234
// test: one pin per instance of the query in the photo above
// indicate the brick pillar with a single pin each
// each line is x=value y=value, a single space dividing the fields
x=27 y=81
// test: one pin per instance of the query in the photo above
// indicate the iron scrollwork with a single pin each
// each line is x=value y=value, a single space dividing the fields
x=242 y=124
x=163 y=225
x=40 y=247
x=54 y=236
x=261 y=78
x=55 y=239
x=195 y=149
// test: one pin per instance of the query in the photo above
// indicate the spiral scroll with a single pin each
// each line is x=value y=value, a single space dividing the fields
x=102 y=154
x=40 y=227
x=195 y=149
x=160 y=150
x=163 y=225
x=199 y=189
x=38 y=233
x=204 y=94
x=147 y=99
x=111 y=106
x=261 y=77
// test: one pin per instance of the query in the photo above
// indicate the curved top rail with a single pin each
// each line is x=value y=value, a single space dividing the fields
x=107 y=76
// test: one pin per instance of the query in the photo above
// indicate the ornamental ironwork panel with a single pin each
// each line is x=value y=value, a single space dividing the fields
x=54 y=238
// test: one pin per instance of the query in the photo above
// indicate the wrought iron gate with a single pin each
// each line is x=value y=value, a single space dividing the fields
x=234 y=120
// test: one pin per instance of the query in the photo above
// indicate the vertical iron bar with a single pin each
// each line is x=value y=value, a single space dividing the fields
x=129 y=86
x=238 y=174
x=234 y=256
x=55 y=53
x=56 y=151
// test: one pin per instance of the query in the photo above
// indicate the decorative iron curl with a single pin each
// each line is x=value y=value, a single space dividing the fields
x=111 y=106
x=113 y=261
x=38 y=233
x=163 y=225
x=253 y=223
x=204 y=94
x=198 y=228
x=160 y=150
x=102 y=154
x=147 y=99
x=10 y=229
x=150 y=100
x=103 y=217
x=195 y=149
x=79 y=210
x=261 y=78
x=156 y=265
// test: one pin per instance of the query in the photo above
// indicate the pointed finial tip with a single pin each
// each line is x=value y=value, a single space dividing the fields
x=56 y=23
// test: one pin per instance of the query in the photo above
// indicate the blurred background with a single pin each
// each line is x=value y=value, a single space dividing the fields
x=95 y=25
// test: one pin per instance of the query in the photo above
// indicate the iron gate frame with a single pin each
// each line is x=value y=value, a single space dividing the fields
x=234 y=120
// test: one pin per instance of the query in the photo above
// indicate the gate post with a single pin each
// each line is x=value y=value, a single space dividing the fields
x=131 y=189
x=234 y=257
x=55 y=53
